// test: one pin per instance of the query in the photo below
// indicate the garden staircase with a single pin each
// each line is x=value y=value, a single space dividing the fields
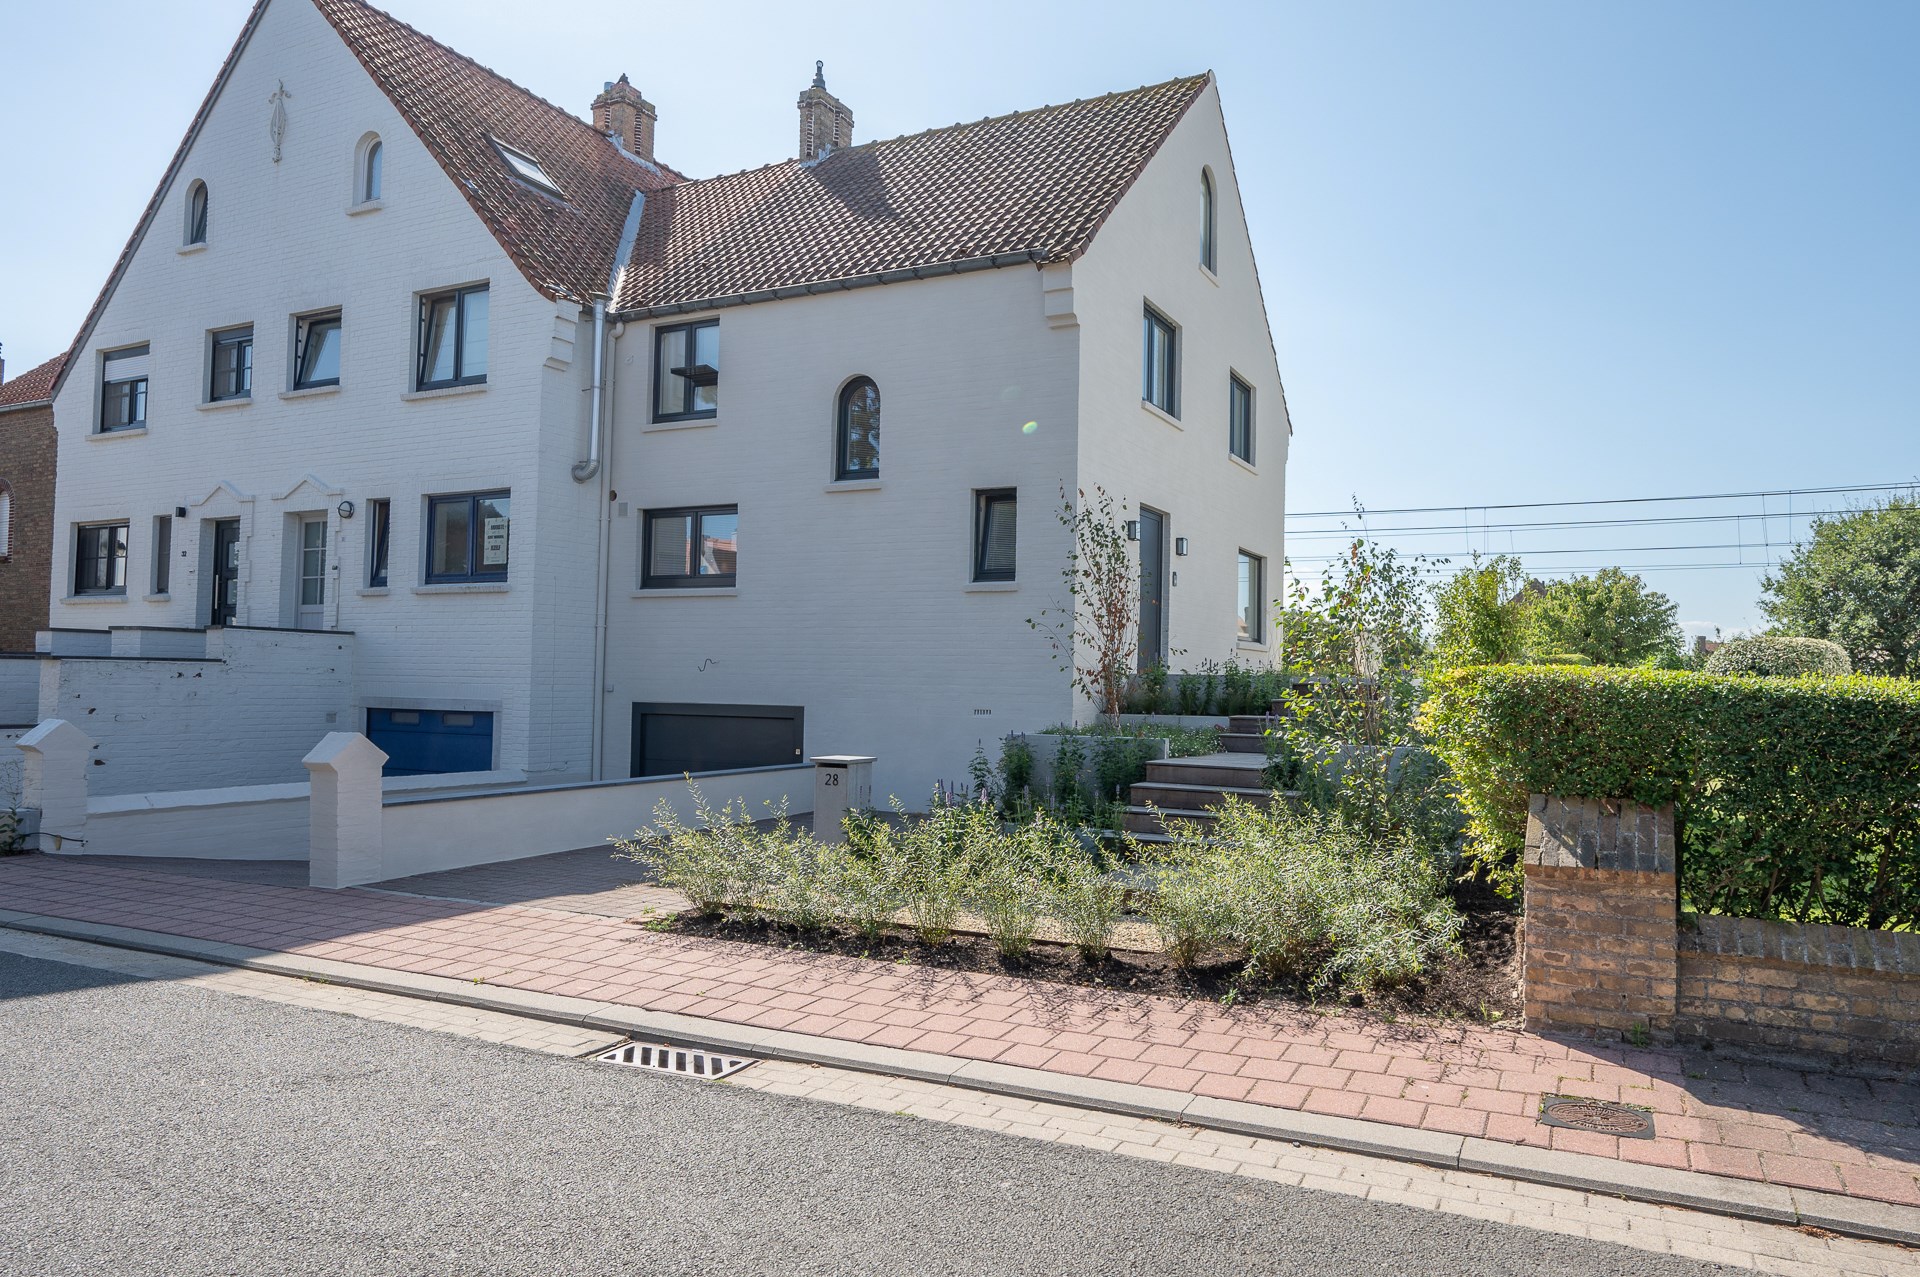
x=1183 y=789
x=1247 y=733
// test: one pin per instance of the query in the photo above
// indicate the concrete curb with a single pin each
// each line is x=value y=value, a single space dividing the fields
x=1693 y=1190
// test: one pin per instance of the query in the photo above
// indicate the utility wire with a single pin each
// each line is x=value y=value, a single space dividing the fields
x=1558 y=505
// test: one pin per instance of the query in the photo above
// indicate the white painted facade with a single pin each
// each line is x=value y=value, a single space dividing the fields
x=854 y=601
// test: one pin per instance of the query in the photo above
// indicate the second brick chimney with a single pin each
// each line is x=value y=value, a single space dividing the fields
x=621 y=113
x=825 y=122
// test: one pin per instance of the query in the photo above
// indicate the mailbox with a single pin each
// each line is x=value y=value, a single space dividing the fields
x=841 y=783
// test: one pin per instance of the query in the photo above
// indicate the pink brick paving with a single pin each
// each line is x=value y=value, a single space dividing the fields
x=1804 y=1129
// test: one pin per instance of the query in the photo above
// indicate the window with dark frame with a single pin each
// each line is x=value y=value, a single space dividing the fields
x=1253 y=588
x=694 y=547
x=123 y=389
x=370 y=173
x=316 y=350
x=468 y=537
x=1160 y=364
x=6 y=521
x=232 y=374
x=1207 y=219
x=162 y=554
x=379 y=540
x=1240 y=419
x=100 y=559
x=197 y=214
x=857 y=438
x=995 y=516
x=686 y=371
x=453 y=339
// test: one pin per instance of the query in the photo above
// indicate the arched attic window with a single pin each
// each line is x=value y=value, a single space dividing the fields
x=1207 y=219
x=857 y=431
x=368 y=162
x=196 y=214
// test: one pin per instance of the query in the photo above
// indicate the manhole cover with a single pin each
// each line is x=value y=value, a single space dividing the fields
x=679 y=1060
x=1602 y=1116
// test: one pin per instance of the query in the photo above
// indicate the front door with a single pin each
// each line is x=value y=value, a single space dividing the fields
x=312 y=613
x=226 y=572
x=1153 y=588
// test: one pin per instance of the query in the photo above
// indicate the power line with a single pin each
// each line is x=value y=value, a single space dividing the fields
x=1557 y=505
x=1456 y=529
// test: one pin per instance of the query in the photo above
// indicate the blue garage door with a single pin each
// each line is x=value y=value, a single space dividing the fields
x=425 y=742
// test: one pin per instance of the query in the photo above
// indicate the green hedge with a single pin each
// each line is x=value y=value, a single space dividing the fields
x=1772 y=654
x=1796 y=798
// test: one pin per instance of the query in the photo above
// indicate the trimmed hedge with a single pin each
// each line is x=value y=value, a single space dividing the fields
x=1770 y=654
x=1795 y=798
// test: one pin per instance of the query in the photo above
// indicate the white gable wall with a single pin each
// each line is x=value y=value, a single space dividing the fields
x=281 y=242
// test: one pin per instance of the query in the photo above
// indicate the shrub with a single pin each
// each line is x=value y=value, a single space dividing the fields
x=1562 y=658
x=712 y=862
x=1006 y=879
x=932 y=866
x=1774 y=655
x=1795 y=798
x=1084 y=900
x=861 y=880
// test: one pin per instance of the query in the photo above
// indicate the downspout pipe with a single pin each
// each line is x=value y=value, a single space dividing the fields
x=583 y=471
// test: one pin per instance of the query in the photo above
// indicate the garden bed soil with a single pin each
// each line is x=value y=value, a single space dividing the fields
x=1481 y=984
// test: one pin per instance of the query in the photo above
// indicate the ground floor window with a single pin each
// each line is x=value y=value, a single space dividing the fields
x=691 y=547
x=1253 y=589
x=995 y=514
x=100 y=559
x=429 y=742
x=468 y=536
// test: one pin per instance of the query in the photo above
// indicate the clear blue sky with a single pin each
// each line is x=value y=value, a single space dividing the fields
x=1512 y=252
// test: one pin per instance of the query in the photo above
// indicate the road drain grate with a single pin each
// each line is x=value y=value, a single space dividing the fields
x=679 y=1060
x=1577 y=1113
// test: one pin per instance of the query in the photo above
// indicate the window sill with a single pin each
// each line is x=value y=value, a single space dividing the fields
x=992 y=587
x=1210 y=276
x=83 y=599
x=1248 y=645
x=855 y=485
x=443 y=392
x=1155 y=410
x=125 y=432
x=690 y=592
x=1248 y=466
x=309 y=392
x=374 y=592
x=695 y=423
x=365 y=206
x=157 y=598
x=221 y=405
x=464 y=587
x=188 y=250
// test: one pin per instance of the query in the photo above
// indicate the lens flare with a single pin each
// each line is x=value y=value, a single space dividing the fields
x=1029 y=428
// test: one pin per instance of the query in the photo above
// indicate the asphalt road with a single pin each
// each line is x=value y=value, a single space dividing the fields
x=154 y=1128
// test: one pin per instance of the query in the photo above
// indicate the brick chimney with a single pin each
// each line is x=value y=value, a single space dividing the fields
x=628 y=118
x=825 y=122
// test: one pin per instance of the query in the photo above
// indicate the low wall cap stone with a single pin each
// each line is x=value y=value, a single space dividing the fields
x=55 y=732
x=337 y=748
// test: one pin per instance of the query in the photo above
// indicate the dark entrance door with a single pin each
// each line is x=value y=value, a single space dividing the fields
x=669 y=739
x=226 y=572
x=1153 y=588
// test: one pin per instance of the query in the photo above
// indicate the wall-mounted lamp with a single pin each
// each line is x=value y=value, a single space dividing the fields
x=179 y=512
x=346 y=509
x=1133 y=529
x=1180 y=546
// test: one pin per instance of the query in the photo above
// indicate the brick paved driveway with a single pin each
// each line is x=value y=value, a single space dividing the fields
x=1803 y=1129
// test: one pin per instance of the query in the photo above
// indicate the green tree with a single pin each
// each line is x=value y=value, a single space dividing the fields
x=1480 y=614
x=1094 y=632
x=1611 y=618
x=1856 y=582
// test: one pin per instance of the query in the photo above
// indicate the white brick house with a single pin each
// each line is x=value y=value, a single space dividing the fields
x=267 y=421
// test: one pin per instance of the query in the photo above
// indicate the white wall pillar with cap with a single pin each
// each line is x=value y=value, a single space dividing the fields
x=842 y=783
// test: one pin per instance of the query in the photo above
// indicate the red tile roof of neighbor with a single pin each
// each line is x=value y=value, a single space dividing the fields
x=33 y=386
x=1029 y=187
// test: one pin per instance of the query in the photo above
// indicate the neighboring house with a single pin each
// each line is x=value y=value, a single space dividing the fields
x=27 y=453
x=588 y=455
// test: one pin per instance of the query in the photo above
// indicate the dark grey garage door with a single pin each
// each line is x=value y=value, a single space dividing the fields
x=672 y=738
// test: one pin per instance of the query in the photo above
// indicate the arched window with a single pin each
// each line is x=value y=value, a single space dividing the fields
x=1206 y=219
x=197 y=213
x=370 y=172
x=6 y=521
x=857 y=435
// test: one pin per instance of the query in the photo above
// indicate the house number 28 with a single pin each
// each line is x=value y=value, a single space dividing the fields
x=832 y=778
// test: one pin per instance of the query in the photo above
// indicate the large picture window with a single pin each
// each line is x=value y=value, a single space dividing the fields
x=686 y=371
x=995 y=515
x=691 y=547
x=123 y=389
x=100 y=559
x=1160 y=360
x=1240 y=419
x=857 y=437
x=468 y=537
x=453 y=338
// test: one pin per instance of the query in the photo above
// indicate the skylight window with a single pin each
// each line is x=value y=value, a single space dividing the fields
x=526 y=168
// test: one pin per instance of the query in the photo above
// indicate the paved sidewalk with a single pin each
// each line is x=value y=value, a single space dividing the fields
x=1797 y=1129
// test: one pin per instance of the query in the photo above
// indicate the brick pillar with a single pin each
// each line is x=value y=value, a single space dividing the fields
x=1599 y=950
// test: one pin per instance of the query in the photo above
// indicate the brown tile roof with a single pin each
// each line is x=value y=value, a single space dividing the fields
x=1036 y=184
x=33 y=386
x=565 y=247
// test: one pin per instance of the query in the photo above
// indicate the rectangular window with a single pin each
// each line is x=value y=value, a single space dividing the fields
x=232 y=376
x=686 y=371
x=468 y=537
x=453 y=339
x=691 y=548
x=123 y=389
x=316 y=351
x=100 y=559
x=1253 y=591
x=1161 y=364
x=379 y=538
x=994 y=517
x=162 y=554
x=1240 y=419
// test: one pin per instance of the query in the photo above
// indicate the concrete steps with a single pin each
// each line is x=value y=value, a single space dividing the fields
x=1183 y=788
